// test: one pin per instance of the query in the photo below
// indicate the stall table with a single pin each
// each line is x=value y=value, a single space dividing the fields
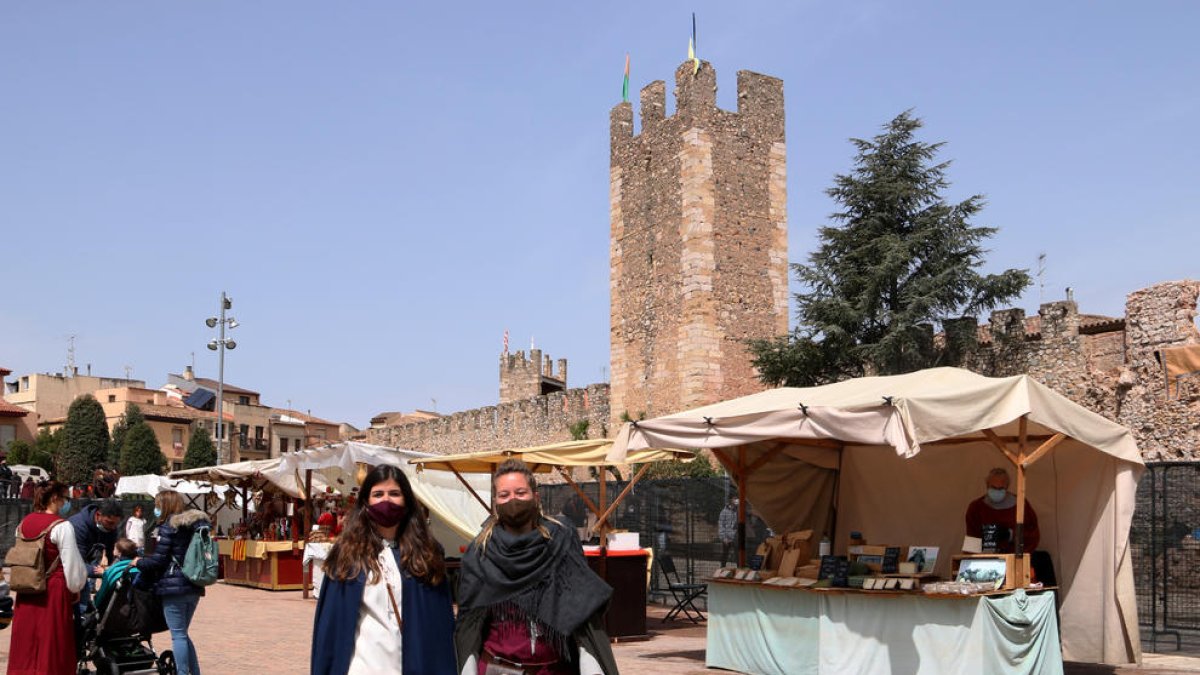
x=273 y=565
x=626 y=572
x=770 y=630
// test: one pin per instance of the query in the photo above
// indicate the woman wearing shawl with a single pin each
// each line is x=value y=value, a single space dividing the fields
x=385 y=604
x=528 y=603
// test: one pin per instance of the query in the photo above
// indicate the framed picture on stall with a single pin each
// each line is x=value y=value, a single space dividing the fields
x=982 y=571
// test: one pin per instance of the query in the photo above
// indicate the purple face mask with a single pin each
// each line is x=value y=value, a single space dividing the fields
x=386 y=513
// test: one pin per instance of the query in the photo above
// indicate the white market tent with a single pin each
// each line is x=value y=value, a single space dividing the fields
x=457 y=515
x=151 y=484
x=898 y=458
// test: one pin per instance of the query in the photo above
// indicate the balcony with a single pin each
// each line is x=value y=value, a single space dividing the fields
x=261 y=444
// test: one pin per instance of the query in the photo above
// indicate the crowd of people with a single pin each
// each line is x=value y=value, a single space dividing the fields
x=87 y=546
x=527 y=601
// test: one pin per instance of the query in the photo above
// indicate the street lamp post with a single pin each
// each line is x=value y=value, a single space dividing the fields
x=220 y=345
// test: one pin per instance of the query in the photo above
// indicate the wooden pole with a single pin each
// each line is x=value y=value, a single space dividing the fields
x=612 y=507
x=566 y=474
x=470 y=489
x=306 y=579
x=741 y=528
x=1019 y=535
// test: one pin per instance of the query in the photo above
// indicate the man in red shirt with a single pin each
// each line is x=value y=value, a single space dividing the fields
x=999 y=507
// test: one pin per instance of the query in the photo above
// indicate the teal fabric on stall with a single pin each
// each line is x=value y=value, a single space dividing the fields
x=1022 y=633
x=773 y=631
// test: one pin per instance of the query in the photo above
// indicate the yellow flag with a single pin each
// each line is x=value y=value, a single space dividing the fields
x=692 y=57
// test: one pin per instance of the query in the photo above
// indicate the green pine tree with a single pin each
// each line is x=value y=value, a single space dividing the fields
x=85 y=441
x=200 y=450
x=898 y=263
x=141 y=454
x=132 y=415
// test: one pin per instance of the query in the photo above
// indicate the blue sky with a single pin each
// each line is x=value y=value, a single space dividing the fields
x=384 y=187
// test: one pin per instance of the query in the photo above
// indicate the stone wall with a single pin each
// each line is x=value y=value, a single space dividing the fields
x=1107 y=365
x=698 y=241
x=533 y=421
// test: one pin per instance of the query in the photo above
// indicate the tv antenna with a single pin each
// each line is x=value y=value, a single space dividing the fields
x=71 y=354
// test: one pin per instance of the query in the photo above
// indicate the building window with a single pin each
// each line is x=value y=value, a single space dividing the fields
x=258 y=432
x=243 y=400
x=282 y=446
x=177 y=437
x=320 y=433
x=112 y=398
x=296 y=442
x=8 y=434
x=178 y=466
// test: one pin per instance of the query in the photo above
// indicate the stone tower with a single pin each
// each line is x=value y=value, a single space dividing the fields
x=699 y=241
x=522 y=378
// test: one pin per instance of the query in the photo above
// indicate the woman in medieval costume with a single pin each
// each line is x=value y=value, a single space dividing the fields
x=43 y=639
x=528 y=603
x=385 y=603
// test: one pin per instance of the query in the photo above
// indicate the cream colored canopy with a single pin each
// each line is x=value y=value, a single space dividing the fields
x=899 y=458
x=545 y=458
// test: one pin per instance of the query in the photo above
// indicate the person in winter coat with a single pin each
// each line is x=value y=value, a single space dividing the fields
x=527 y=601
x=179 y=595
x=43 y=639
x=96 y=525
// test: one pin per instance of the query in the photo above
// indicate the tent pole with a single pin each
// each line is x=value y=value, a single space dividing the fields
x=612 y=507
x=741 y=528
x=470 y=489
x=601 y=526
x=306 y=578
x=1019 y=535
x=566 y=474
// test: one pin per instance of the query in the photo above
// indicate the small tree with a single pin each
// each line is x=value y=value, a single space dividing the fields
x=19 y=452
x=200 y=450
x=132 y=415
x=85 y=441
x=45 y=449
x=141 y=454
x=899 y=262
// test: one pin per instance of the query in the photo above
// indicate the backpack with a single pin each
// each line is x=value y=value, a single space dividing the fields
x=200 y=562
x=27 y=562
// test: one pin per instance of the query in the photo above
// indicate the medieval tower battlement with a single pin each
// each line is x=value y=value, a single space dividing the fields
x=522 y=378
x=698 y=210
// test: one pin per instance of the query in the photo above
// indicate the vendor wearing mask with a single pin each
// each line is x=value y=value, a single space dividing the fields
x=999 y=507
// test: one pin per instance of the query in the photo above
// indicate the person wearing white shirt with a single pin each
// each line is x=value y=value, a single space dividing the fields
x=135 y=529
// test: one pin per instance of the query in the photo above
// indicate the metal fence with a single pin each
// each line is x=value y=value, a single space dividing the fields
x=1165 y=545
x=675 y=517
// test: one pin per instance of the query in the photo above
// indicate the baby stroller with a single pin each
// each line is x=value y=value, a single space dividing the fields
x=115 y=638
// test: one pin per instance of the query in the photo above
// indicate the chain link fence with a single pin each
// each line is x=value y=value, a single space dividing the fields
x=675 y=517
x=1165 y=546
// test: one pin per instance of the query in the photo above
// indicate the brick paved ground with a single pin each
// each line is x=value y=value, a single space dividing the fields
x=243 y=631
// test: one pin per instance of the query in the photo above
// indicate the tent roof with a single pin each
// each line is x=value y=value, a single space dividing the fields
x=543 y=458
x=902 y=411
x=227 y=473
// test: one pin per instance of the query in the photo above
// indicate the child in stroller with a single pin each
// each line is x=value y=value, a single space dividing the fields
x=115 y=633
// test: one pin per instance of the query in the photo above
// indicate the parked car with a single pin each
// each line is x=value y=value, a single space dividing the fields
x=23 y=471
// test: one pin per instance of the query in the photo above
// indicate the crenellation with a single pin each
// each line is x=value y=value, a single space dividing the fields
x=653 y=103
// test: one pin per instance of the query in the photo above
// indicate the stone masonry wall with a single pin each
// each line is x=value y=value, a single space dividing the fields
x=1110 y=369
x=521 y=378
x=533 y=421
x=698 y=241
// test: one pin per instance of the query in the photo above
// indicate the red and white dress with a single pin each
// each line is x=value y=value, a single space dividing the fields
x=43 y=637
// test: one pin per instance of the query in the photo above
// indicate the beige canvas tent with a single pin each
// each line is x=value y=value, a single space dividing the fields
x=899 y=458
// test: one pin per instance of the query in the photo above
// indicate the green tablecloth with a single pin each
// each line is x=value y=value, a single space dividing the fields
x=770 y=631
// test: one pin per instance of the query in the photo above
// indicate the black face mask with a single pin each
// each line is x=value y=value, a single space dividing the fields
x=516 y=513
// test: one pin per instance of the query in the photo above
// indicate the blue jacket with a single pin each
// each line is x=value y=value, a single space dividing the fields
x=88 y=534
x=428 y=633
x=165 y=564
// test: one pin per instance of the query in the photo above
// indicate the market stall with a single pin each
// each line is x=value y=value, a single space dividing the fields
x=264 y=547
x=455 y=512
x=897 y=459
x=625 y=570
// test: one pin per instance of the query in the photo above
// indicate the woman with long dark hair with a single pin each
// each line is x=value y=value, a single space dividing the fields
x=43 y=639
x=385 y=603
x=527 y=600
